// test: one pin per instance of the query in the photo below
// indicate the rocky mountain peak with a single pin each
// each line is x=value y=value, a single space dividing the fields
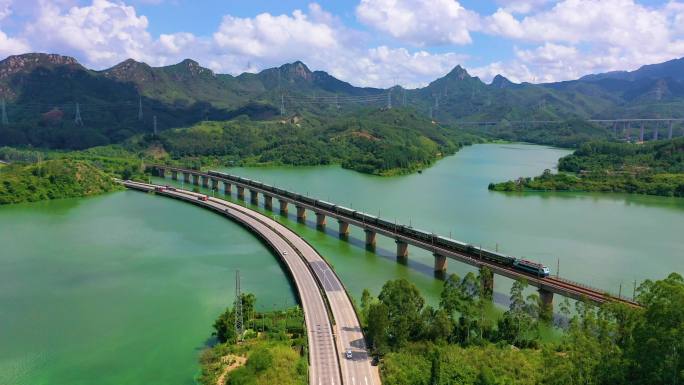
x=500 y=81
x=27 y=62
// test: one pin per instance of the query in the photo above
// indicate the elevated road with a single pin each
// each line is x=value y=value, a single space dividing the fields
x=331 y=322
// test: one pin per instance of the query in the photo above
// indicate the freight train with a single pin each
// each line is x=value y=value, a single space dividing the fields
x=421 y=235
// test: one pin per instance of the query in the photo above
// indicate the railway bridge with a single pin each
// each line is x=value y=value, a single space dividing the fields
x=441 y=247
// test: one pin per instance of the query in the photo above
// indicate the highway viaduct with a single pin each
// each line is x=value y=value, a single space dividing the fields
x=547 y=286
x=331 y=322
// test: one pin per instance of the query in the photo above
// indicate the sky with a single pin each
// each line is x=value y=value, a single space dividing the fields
x=376 y=43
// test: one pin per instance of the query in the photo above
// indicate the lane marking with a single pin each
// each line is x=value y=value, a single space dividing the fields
x=366 y=378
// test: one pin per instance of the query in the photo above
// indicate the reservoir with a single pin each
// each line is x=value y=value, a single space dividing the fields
x=123 y=288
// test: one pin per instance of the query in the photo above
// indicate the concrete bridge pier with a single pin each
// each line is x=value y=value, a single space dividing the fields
x=343 y=229
x=546 y=299
x=174 y=175
x=214 y=184
x=186 y=177
x=283 y=207
x=195 y=179
x=205 y=181
x=655 y=132
x=320 y=221
x=161 y=172
x=669 y=131
x=301 y=213
x=253 y=197
x=641 y=133
x=241 y=193
x=227 y=188
x=370 y=239
x=268 y=202
x=402 y=251
x=440 y=266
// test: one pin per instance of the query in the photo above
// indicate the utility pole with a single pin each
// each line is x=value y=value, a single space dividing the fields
x=77 y=118
x=140 y=114
x=154 y=124
x=282 y=104
x=238 y=307
x=4 y=114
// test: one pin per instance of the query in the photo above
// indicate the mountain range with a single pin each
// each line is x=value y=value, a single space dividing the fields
x=44 y=93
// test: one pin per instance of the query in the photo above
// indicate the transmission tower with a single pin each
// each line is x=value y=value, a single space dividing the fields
x=4 y=114
x=77 y=118
x=238 y=306
x=154 y=124
x=337 y=104
x=404 y=97
x=430 y=113
x=282 y=104
x=389 y=99
x=140 y=114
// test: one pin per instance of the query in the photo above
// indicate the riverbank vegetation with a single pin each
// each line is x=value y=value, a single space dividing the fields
x=455 y=344
x=653 y=168
x=272 y=349
x=52 y=179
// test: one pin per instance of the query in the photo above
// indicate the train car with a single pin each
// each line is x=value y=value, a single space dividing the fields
x=417 y=233
x=325 y=205
x=386 y=224
x=367 y=218
x=307 y=200
x=497 y=257
x=345 y=211
x=531 y=267
x=451 y=244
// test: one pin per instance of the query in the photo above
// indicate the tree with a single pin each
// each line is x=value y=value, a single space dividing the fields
x=404 y=303
x=224 y=326
x=520 y=320
x=378 y=324
x=366 y=300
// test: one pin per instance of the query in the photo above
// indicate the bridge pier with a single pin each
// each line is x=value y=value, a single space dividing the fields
x=370 y=239
x=546 y=308
x=320 y=221
x=214 y=184
x=227 y=188
x=655 y=131
x=301 y=213
x=241 y=193
x=161 y=172
x=641 y=133
x=205 y=181
x=402 y=251
x=283 y=207
x=487 y=282
x=174 y=175
x=186 y=177
x=254 y=197
x=343 y=229
x=440 y=265
x=268 y=202
x=195 y=179
x=669 y=131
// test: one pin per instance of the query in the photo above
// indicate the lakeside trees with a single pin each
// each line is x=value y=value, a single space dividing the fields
x=611 y=344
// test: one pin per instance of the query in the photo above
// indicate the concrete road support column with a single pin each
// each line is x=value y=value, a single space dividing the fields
x=301 y=213
x=440 y=265
x=641 y=133
x=402 y=251
x=195 y=179
x=214 y=184
x=669 y=131
x=186 y=177
x=320 y=221
x=161 y=172
x=283 y=207
x=343 y=229
x=205 y=181
x=370 y=239
x=254 y=197
x=546 y=311
x=174 y=175
x=227 y=188
x=268 y=202
x=241 y=193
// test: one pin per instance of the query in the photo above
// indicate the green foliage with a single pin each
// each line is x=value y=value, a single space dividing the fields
x=52 y=179
x=653 y=168
x=570 y=133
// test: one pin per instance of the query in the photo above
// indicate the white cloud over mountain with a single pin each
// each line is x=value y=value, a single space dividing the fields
x=550 y=40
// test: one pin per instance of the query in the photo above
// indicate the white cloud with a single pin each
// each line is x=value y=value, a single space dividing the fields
x=420 y=22
x=522 y=6
x=11 y=46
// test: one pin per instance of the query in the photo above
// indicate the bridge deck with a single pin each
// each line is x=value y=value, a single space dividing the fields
x=313 y=279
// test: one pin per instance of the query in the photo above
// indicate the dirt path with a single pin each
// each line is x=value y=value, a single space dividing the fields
x=237 y=362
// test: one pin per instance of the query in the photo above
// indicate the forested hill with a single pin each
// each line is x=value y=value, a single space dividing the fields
x=655 y=168
x=44 y=93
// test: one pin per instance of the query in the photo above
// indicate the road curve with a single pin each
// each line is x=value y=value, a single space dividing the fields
x=324 y=359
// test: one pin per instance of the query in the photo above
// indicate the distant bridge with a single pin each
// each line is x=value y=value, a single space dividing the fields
x=441 y=247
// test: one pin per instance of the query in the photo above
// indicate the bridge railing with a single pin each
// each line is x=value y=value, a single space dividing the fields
x=595 y=289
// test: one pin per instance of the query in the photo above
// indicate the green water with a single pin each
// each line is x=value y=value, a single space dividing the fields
x=123 y=288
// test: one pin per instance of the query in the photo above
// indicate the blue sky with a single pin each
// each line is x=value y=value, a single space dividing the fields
x=365 y=42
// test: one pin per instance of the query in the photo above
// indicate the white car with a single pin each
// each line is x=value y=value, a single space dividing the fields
x=348 y=354
x=284 y=252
